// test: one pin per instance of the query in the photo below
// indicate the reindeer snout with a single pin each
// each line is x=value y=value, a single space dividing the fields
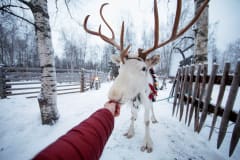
x=115 y=94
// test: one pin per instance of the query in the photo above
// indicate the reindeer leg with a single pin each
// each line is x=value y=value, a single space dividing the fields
x=153 y=117
x=147 y=143
x=130 y=133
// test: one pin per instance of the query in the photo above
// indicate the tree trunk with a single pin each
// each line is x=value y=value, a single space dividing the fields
x=48 y=97
x=201 y=35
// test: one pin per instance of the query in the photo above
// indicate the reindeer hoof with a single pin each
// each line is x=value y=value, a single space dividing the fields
x=148 y=149
x=128 y=135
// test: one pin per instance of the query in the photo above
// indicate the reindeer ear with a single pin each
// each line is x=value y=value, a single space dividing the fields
x=116 y=59
x=153 y=60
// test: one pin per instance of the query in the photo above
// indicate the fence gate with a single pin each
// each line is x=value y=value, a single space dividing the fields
x=193 y=97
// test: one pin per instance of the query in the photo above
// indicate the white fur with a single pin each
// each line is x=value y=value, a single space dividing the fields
x=132 y=81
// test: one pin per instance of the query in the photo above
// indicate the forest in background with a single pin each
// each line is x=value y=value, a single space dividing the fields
x=18 y=46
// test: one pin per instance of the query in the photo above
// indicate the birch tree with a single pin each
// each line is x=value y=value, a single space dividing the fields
x=48 y=97
x=201 y=34
x=39 y=8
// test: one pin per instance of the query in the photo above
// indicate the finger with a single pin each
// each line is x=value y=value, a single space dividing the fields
x=117 y=111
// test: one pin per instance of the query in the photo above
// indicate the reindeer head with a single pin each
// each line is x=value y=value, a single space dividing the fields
x=133 y=77
x=133 y=71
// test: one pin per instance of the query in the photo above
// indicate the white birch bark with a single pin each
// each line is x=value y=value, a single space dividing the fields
x=48 y=97
x=201 y=35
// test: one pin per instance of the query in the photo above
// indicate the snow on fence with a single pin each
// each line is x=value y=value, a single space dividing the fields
x=19 y=81
x=195 y=94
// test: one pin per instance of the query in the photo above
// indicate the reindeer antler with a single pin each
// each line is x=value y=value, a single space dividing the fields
x=143 y=54
x=175 y=34
x=111 y=40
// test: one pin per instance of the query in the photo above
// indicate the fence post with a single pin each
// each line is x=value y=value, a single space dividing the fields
x=98 y=74
x=2 y=83
x=91 y=79
x=82 y=82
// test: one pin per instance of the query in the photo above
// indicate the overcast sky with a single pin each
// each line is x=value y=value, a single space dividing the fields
x=225 y=12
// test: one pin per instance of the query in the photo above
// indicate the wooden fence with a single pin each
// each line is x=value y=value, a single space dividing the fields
x=193 y=96
x=19 y=81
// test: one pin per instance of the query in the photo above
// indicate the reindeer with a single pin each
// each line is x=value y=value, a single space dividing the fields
x=132 y=83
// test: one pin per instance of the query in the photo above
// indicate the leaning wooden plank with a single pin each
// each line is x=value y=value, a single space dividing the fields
x=189 y=91
x=171 y=94
x=180 y=88
x=208 y=96
x=220 y=97
x=202 y=92
x=235 y=135
x=229 y=105
x=176 y=90
x=183 y=91
x=195 y=92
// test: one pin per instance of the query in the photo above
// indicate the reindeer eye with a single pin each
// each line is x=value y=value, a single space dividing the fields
x=144 y=69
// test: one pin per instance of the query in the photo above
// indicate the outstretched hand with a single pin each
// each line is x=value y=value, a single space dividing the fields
x=113 y=107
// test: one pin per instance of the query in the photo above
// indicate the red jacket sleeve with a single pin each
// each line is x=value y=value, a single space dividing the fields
x=83 y=142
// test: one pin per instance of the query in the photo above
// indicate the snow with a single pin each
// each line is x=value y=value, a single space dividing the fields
x=22 y=135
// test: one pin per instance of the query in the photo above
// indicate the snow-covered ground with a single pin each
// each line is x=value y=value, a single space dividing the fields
x=22 y=135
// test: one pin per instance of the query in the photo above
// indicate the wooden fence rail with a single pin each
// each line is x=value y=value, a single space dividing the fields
x=19 y=81
x=192 y=92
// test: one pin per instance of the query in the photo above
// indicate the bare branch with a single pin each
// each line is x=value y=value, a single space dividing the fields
x=12 y=6
x=56 y=5
x=22 y=18
x=175 y=33
x=26 y=3
x=69 y=12
x=11 y=13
